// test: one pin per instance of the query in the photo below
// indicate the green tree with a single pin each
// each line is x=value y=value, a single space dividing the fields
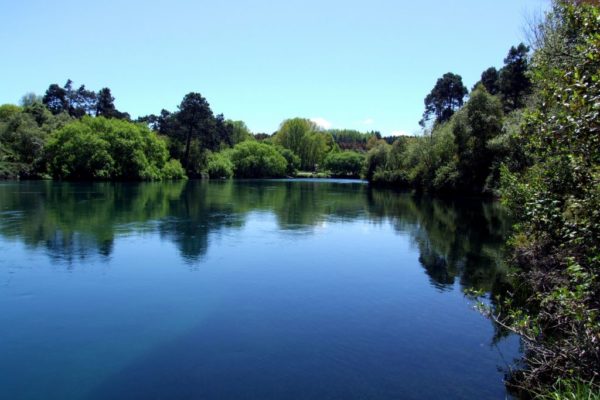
x=76 y=102
x=195 y=119
x=474 y=126
x=257 y=160
x=445 y=98
x=240 y=131
x=23 y=134
x=105 y=106
x=293 y=161
x=29 y=99
x=100 y=148
x=345 y=164
x=292 y=131
x=302 y=136
x=556 y=296
x=55 y=99
x=489 y=79
x=376 y=160
x=513 y=82
x=219 y=166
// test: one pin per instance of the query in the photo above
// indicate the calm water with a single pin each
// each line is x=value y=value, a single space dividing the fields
x=246 y=290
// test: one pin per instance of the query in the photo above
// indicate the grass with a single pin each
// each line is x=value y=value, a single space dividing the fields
x=572 y=390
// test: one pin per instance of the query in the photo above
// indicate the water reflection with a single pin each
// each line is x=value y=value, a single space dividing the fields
x=287 y=289
x=460 y=240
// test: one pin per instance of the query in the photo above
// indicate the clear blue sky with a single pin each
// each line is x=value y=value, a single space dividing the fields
x=355 y=64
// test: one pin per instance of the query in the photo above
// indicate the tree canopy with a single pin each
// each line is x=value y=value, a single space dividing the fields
x=100 y=148
x=445 y=98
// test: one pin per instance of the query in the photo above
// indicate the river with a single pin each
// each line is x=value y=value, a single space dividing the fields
x=272 y=289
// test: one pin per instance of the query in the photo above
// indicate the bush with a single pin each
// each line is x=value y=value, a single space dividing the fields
x=345 y=164
x=257 y=160
x=100 y=148
x=555 y=250
x=293 y=161
x=219 y=166
x=173 y=170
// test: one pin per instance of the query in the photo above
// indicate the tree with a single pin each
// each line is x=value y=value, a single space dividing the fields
x=475 y=125
x=219 y=166
x=81 y=102
x=55 y=99
x=445 y=98
x=313 y=149
x=75 y=102
x=30 y=99
x=489 y=79
x=195 y=118
x=345 y=164
x=257 y=160
x=292 y=131
x=555 y=298
x=105 y=106
x=100 y=148
x=240 y=131
x=513 y=82
x=223 y=131
x=302 y=136
x=376 y=160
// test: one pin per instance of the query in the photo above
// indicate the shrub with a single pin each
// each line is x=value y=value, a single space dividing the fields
x=347 y=163
x=257 y=160
x=100 y=148
x=219 y=166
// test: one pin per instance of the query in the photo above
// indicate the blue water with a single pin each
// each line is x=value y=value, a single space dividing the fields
x=246 y=290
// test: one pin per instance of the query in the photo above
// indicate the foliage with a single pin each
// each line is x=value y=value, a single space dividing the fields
x=257 y=160
x=556 y=246
x=100 y=148
x=457 y=156
x=173 y=170
x=489 y=80
x=194 y=132
x=239 y=132
x=195 y=118
x=345 y=164
x=23 y=135
x=348 y=139
x=570 y=390
x=303 y=137
x=105 y=106
x=219 y=166
x=293 y=161
x=474 y=126
x=445 y=98
x=376 y=160
x=513 y=82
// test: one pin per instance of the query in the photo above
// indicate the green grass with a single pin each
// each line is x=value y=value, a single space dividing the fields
x=572 y=390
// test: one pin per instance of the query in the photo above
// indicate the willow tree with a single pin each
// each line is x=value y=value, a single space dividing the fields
x=303 y=137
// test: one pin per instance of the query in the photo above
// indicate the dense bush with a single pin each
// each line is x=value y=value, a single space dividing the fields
x=293 y=161
x=556 y=248
x=219 y=166
x=458 y=156
x=100 y=148
x=257 y=160
x=344 y=164
x=304 y=139
x=23 y=135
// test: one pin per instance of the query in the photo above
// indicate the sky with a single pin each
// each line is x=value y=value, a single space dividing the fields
x=364 y=65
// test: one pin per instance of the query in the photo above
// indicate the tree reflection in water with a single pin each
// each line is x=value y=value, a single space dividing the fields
x=457 y=240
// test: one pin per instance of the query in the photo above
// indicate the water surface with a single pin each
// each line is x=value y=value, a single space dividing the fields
x=246 y=290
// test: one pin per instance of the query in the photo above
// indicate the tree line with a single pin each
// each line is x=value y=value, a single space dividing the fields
x=78 y=134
